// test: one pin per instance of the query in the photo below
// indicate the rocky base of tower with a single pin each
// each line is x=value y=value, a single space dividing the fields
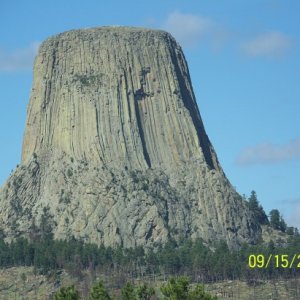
x=123 y=207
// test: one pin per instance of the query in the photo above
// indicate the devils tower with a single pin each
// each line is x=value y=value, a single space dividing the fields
x=115 y=151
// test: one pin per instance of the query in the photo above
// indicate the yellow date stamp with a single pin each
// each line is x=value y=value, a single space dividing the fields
x=274 y=260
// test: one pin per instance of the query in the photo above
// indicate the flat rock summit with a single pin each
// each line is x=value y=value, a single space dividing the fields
x=115 y=151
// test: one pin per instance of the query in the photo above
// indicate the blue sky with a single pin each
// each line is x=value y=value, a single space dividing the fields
x=244 y=60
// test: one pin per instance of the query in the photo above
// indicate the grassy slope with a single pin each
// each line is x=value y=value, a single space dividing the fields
x=21 y=283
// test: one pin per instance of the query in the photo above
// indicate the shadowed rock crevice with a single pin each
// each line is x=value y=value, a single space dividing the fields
x=140 y=128
x=188 y=101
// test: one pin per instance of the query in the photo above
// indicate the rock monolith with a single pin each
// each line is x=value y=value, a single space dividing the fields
x=115 y=151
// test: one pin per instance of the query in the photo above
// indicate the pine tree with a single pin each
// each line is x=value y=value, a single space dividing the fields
x=46 y=224
x=290 y=230
x=144 y=292
x=67 y=293
x=257 y=209
x=179 y=289
x=199 y=294
x=128 y=292
x=277 y=221
x=275 y=218
x=176 y=289
x=99 y=292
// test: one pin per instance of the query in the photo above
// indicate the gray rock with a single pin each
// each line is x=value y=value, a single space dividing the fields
x=115 y=148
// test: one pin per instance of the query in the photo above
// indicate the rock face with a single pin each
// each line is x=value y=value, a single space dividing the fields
x=114 y=149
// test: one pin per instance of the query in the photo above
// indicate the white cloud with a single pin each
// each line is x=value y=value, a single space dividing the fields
x=270 y=153
x=19 y=59
x=269 y=44
x=187 y=28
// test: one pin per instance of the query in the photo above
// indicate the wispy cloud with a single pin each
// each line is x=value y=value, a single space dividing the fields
x=188 y=29
x=19 y=59
x=271 y=44
x=269 y=153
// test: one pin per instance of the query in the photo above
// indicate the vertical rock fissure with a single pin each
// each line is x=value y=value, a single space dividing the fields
x=127 y=94
x=141 y=132
x=98 y=133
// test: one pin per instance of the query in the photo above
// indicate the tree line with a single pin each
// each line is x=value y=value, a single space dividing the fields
x=192 y=258
x=175 y=289
x=185 y=257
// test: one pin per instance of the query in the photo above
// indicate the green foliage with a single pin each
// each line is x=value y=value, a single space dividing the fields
x=291 y=230
x=70 y=173
x=99 y=292
x=46 y=224
x=144 y=292
x=176 y=289
x=135 y=176
x=17 y=182
x=128 y=292
x=16 y=205
x=277 y=221
x=65 y=197
x=87 y=80
x=180 y=289
x=198 y=293
x=67 y=293
x=257 y=209
x=192 y=258
x=23 y=277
